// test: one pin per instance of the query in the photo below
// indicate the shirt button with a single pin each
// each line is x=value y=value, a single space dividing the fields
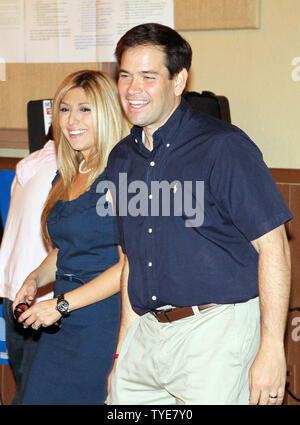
x=154 y=298
x=168 y=145
x=150 y=196
x=136 y=140
x=152 y=163
x=150 y=264
x=149 y=230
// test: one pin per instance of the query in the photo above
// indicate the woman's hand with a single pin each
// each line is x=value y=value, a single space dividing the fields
x=27 y=292
x=42 y=314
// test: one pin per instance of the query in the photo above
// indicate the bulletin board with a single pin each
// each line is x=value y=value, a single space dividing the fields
x=216 y=14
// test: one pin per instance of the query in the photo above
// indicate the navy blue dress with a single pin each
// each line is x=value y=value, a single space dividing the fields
x=71 y=366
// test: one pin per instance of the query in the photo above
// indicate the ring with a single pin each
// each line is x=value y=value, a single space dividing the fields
x=35 y=327
x=272 y=396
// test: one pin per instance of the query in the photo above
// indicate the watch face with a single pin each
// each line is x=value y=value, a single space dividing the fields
x=63 y=305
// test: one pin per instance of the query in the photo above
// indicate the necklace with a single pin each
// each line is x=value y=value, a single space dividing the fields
x=80 y=168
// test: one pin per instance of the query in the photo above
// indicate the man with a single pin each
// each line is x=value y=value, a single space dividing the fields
x=193 y=330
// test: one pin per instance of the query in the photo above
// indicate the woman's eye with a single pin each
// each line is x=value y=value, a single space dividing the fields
x=63 y=109
x=85 y=109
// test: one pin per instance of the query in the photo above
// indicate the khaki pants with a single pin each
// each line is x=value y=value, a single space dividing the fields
x=202 y=359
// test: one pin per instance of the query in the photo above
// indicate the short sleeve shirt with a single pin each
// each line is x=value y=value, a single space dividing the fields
x=196 y=247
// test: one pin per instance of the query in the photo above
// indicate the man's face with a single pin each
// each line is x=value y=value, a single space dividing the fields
x=147 y=94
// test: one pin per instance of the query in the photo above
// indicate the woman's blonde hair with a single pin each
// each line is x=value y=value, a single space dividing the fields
x=110 y=126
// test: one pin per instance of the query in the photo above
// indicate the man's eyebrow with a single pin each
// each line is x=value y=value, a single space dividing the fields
x=150 y=71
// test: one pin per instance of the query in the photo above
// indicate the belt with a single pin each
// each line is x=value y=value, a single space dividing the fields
x=70 y=278
x=177 y=313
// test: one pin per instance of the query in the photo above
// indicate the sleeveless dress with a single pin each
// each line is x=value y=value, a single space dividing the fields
x=71 y=365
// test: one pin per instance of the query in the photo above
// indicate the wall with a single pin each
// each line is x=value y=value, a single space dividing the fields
x=26 y=82
x=253 y=69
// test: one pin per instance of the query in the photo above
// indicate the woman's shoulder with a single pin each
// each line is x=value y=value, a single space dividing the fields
x=99 y=182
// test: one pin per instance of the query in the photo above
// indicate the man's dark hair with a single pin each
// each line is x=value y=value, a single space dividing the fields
x=178 y=52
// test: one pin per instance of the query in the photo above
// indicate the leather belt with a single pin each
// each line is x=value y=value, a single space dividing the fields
x=177 y=313
x=70 y=278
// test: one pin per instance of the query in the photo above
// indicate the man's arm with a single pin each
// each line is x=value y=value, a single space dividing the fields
x=127 y=313
x=268 y=371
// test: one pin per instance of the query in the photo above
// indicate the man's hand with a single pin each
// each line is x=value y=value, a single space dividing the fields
x=268 y=371
x=268 y=376
x=109 y=379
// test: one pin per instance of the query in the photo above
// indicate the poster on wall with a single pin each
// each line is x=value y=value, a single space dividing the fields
x=12 y=30
x=73 y=30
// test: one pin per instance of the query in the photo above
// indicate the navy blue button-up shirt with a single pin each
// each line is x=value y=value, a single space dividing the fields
x=176 y=257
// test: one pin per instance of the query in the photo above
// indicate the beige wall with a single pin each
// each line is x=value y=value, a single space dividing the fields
x=253 y=69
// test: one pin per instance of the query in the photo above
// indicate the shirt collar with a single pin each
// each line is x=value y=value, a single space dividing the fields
x=166 y=131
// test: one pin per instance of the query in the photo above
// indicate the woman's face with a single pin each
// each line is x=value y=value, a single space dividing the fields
x=76 y=121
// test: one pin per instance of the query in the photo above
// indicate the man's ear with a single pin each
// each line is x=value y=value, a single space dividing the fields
x=180 y=81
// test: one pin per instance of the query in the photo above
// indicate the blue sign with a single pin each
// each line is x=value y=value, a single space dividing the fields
x=6 y=178
x=3 y=350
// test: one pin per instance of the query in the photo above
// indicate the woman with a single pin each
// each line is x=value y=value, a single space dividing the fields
x=72 y=364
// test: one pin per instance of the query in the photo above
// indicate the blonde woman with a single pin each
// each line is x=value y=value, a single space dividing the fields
x=72 y=364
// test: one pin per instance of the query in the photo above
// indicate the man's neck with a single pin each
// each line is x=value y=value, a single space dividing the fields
x=148 y=139
x=148 y=131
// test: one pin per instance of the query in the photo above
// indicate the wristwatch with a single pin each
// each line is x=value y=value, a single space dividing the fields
x=63 y=306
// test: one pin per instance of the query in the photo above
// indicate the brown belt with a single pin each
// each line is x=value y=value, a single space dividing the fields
x=177 y=313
